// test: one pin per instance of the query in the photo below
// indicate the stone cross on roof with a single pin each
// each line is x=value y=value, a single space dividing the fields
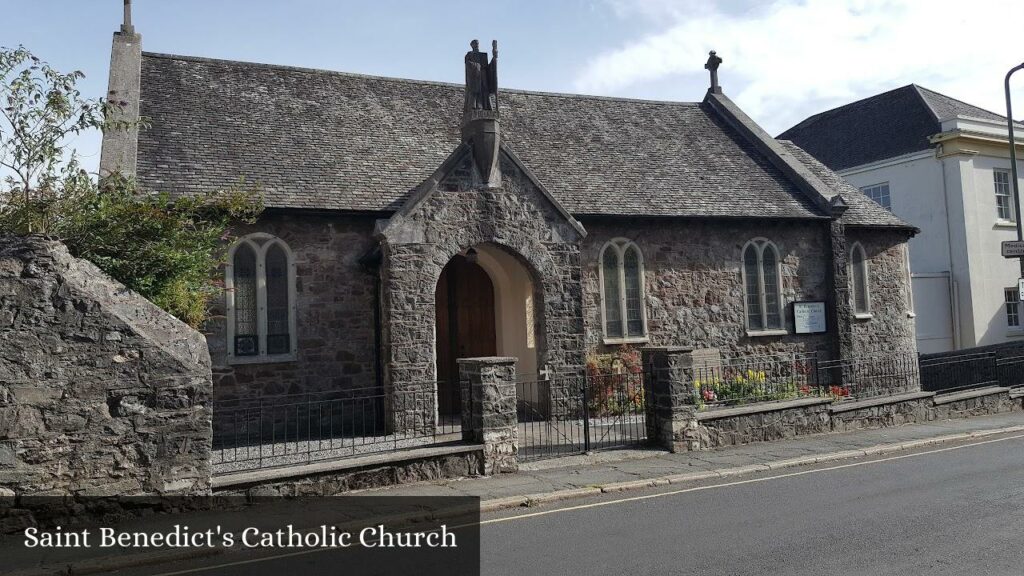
x=712 y=66
x=127 y=25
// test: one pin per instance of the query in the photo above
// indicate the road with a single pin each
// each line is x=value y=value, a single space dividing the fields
x=953 y=509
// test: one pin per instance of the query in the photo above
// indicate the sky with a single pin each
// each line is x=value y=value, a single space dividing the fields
x=783 y=60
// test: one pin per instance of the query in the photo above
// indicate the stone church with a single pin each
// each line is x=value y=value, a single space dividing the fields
x=412 y=223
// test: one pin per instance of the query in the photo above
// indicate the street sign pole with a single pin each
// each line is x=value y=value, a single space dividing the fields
x=1013 y=160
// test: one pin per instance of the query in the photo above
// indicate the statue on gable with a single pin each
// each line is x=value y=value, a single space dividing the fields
x=481 y=78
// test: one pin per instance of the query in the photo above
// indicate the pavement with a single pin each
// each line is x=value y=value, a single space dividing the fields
x=563 y=483
x=582 y=476
x=939 y=499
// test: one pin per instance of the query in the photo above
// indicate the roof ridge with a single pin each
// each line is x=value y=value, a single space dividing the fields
x=814 y=117
x=948 y=97
x=414 y=81
x=924 y=100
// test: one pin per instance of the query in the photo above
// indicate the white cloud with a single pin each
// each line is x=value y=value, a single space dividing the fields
x=786 y=60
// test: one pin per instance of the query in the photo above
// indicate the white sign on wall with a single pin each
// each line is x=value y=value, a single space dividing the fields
x=809 y=317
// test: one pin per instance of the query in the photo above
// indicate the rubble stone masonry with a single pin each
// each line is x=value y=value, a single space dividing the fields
x=101 y=392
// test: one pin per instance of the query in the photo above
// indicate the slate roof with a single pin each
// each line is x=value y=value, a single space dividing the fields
x=862 y=211
x=334 y=141
x=883 y=126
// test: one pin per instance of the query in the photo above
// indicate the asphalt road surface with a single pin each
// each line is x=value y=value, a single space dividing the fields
x=953 y=509
x=956 y=511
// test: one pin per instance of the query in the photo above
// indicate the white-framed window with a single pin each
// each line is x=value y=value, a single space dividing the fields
x=623 y=312
x=1012 y=299
x=861 y=293
x=880 y=194
x=260 y=294
x=762 y=284
x=1004 y=197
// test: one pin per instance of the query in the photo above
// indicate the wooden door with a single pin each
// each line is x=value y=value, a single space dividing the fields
x=465 y=325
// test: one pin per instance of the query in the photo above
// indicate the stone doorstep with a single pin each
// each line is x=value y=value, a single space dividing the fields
x=1017 y=392
x=237 y=479
x=968 y=394
x=881 y=401
x=760 y=407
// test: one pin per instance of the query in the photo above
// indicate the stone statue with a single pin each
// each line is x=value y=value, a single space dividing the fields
x=481 y=78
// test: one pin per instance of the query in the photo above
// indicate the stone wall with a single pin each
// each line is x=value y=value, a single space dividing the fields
x=335 y=312
x=761 y=423
x=890 y=328
x=459 y=214
x=692 y=276
x=401 y=469
x=882 y=412
x=993 y=400
x=101 y=392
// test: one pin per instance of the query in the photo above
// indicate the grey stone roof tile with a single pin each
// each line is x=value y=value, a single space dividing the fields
x=862 y=211
x=327 y=140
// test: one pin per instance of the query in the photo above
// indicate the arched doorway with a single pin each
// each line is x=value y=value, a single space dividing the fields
x=484 y=307
x=465 y=324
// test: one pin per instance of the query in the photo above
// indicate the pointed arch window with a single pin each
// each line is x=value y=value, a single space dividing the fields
x=260 y=282
x=762 y=286
x=623 y=309
x=859 y=277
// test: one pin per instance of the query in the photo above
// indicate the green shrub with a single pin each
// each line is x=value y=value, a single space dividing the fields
x=167 y=250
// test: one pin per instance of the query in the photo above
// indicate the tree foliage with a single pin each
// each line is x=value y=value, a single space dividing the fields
x=167 y=249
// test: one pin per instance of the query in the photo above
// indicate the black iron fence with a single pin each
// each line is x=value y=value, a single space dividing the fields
x=728 y=382
x=575 y=413
x=868 y=376
x=561 y=415
x=964 y=371
x=289 y=430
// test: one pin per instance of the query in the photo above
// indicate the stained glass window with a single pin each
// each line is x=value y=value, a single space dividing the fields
x=763 y=287
x=246 y=323
x=755 y=320
x=276 y=269
x=612 y=306
x=262 y=294
x=623 y=290
x=859 y=274
x=634 y=293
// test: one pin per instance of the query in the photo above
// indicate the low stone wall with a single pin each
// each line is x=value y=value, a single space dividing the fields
x=881 y=412
x=339 y=477
x=761 y=423
x=994 y=400
x=101 y=392
x=771 y=421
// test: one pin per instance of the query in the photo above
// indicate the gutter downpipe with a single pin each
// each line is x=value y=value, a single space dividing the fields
x=954 y=295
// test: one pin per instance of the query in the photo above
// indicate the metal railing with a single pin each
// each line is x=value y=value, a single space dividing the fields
x=729 y=382
x=572 y=414
x=960 y=372
x=1010 y=370
x=868 y=376
x=289 y=430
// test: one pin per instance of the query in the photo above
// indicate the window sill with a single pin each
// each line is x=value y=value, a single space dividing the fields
x=630 y=340
x=275 y=359
x=758 y=333
x=1006 y=224
x=863 y=316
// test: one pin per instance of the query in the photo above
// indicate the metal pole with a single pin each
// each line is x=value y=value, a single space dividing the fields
x=1013 y=159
